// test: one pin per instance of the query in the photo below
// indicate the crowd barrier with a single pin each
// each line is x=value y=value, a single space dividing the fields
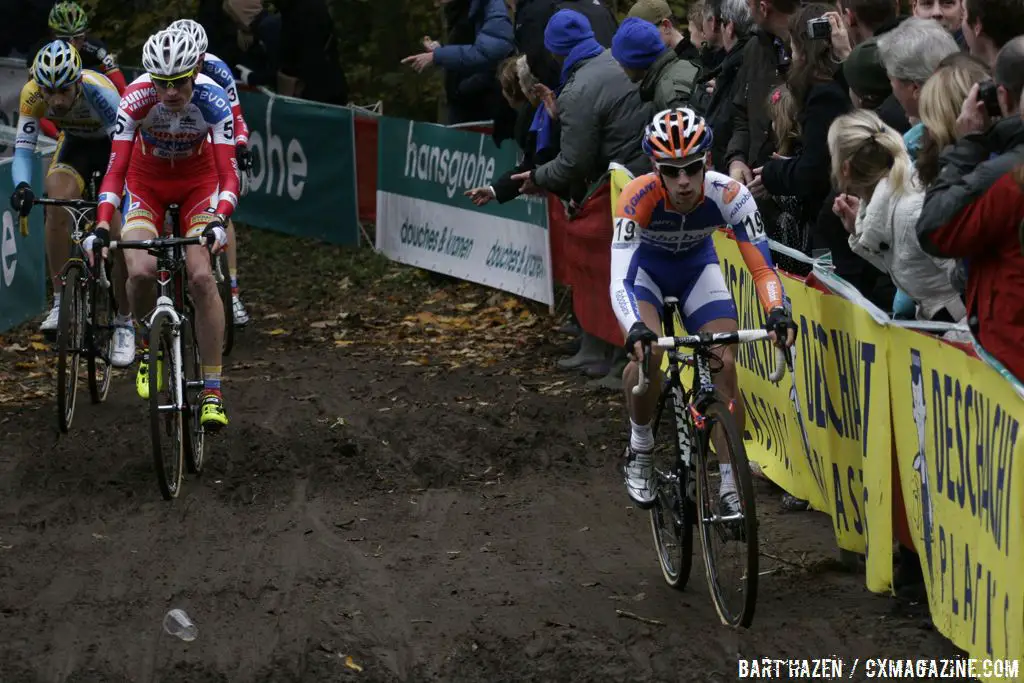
x=890 y=431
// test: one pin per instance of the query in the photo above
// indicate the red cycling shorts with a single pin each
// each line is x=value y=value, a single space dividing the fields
x=153 y=184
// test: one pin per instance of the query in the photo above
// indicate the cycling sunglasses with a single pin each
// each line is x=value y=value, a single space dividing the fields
x=175 y=82
x=673 y=170
x=68 y=39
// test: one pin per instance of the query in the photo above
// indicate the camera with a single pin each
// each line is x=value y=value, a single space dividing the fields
x=819 y=29
x=988 y=94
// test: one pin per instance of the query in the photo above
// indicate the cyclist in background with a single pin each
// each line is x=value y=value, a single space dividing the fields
x=174 y=144
x=220 y=72
x=69 y=22
x=84 y=104
x=662 y=246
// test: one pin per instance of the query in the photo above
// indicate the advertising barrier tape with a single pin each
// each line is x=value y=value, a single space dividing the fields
x=424 y=219
x=958 y=432
x=22 y=260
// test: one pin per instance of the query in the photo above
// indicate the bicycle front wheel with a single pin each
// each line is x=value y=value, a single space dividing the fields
x=224 y=289
x=733 y=584
x=165 y=406
x=673 y=513
x=100 y=334
x=70 y=324
x=192 y=377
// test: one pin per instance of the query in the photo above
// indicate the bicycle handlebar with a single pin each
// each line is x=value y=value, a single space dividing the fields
x=705 y=340
x=163 y=243
x=72 y=203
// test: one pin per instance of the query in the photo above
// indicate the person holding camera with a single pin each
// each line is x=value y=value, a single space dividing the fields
x=975 y=209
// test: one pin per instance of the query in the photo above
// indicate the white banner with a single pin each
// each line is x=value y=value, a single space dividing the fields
x=13 y=76
x=510 y=255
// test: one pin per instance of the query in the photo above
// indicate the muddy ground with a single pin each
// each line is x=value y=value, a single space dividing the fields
x=407 y=481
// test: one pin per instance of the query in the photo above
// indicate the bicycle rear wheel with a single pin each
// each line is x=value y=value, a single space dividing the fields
x=224 y=289
x=735 y=597
x=165 y=416
x=99 y=334
x=193 y=382
x=69 y=344
x=673 y=513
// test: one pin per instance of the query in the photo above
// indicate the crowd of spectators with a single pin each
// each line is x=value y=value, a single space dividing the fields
x=892 y=141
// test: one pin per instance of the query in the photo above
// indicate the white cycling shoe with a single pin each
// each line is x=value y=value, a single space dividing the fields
x=238 y=312
x=639 y=473
x=122 y=344
x=50 y=323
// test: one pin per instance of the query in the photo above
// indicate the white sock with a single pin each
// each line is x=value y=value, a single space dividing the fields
x=56 y=300
x=123 y=319
x=728 y=484
x=641 y=438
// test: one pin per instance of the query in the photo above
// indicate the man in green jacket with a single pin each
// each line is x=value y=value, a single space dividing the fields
x=664 y=79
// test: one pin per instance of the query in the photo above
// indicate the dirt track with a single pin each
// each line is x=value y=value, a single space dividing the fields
x=433 y=512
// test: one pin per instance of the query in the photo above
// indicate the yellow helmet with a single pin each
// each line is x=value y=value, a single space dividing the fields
x=57 y=65
x=68 y=19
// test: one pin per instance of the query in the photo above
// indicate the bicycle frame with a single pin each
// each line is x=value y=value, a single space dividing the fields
x=701 y=393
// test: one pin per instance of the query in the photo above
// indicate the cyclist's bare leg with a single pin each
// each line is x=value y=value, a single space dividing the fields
x=209 y=309
x=232 y=251
x=59 y=184
x=119 y=274
x=641 y=408
x=727 y=384
x=141 y=269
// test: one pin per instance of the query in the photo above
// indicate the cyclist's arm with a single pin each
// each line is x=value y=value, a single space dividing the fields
x=746 y=223
x=625 y=240
x=129 y=116
x=226 y=162
x=632 y=211
x=104 y=101
x=241 y=129
x=27 y=135
x=109 y=65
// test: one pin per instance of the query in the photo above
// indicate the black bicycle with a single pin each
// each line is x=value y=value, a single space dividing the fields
x=684 y=480
x=175 y=366
x=85 y=322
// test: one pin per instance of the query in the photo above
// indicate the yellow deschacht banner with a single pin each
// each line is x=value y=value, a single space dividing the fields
x=823 y=433
x=957 y=425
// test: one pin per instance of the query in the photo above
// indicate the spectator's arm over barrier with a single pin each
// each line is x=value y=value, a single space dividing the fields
x=580 y=140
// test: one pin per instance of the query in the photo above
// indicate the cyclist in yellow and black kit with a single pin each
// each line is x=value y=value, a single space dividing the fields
x=84 y=105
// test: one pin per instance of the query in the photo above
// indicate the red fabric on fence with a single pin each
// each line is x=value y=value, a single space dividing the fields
x=366 y=166
x=557 y=234
x=586 y=245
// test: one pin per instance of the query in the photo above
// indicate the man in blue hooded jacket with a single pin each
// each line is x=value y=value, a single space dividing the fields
x=479 y=37
x=599 y=110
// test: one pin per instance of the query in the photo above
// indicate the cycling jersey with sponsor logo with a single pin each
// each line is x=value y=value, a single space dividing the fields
x=173 y=145
x=92 y=116
x=658 y=252
x=218 y=70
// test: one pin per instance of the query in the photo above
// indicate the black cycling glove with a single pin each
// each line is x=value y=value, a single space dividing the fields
x=780 y=322
x=22 y=198
x=639 y=333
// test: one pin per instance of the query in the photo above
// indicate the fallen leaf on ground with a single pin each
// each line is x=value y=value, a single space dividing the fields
x=350 y=663
x=278 y=331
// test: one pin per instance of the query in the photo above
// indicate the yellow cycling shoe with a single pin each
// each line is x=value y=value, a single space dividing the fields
x=212 y=417
x=142 y=376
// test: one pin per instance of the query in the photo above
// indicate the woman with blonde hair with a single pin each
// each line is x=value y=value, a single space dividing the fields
x=941 y=98
x=879 y=203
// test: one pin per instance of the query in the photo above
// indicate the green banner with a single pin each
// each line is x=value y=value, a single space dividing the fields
x=303 y=180
x=22 y=259
x=424 y=218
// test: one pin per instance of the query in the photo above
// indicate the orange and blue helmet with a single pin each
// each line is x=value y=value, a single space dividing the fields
x=677 y=135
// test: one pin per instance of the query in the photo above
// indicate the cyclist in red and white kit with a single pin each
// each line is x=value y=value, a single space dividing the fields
x=174 y=144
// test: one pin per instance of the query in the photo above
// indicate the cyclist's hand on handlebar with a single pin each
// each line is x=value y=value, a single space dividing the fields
x=22 y=198
x=97 y=241
x=639 y=337
x=244 y=157
x=215 y=235
x=781 y=324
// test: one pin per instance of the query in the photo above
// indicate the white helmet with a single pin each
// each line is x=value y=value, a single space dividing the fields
x=194 y=29
x=170 y=53
x=56 y=65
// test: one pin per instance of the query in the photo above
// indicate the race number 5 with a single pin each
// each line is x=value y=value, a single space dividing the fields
x=120 y=124
x=754 y=226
